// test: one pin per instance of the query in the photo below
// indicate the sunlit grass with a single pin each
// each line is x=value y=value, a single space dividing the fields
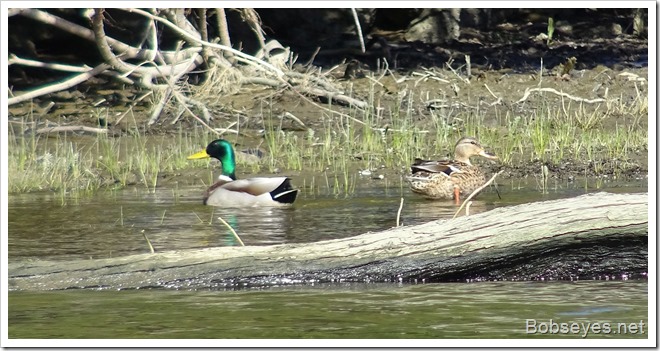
x=385 y=136
x=63 y=164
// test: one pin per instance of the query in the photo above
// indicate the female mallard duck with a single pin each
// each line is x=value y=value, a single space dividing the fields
x=446 y=179
x=228 y=191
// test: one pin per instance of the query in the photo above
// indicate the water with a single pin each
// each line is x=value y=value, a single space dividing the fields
x=114 y=223
x=382 y=311
x=111 y=224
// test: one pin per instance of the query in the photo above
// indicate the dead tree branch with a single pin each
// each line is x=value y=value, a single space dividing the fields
x=51 y=88
x=86 y=33
x=254 y=61
x=550 y=90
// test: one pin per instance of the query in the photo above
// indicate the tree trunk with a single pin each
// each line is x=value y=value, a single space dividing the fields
x=578 y=238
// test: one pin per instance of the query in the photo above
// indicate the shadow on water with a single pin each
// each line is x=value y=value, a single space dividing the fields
x=113 y=223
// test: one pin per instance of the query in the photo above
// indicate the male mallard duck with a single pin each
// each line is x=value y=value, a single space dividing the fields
x=228 y=191
x=446 y=179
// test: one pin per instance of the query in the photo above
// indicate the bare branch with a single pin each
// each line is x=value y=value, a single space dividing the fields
x=499 y=99
x=292 y=117
x=127 y=51
x=398 y=213
x=158 y=109
x=68 y=83
x=223 y=29
x=86 y=33
x=186 y=35
x=13 y=12
x=335 y=96
x=71 y=129
x=152 y=36
x=203 y=31
x=358 y=28
x=550 y=90
x=475 y=192
x=102 y=43
x=15 y=60
x=251 y=17
x=178 y=18
x=184 y=100
x=147 y=72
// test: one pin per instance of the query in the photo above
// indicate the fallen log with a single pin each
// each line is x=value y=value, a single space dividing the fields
x=582 y=238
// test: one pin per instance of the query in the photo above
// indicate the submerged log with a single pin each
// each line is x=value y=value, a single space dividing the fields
x=577 y=238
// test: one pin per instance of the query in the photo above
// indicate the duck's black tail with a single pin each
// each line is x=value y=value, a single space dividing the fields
x=284 y=193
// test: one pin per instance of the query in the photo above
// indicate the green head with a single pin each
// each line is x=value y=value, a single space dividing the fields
x=223 y=151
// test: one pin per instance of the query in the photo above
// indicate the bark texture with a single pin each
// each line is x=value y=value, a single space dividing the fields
x=584 y=237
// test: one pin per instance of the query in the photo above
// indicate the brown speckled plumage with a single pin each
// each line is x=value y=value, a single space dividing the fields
x=447 y=179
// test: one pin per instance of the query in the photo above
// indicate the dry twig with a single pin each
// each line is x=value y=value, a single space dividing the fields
x=499 y=99
x=398 y=213
x=232 y=231
x=475 y=192
x=550 y=90
x=70 y=129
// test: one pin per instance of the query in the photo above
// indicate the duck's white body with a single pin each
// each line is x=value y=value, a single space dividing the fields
x=231 y=192
x=260 y=191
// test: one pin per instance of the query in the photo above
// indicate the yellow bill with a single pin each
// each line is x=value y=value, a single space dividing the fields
x=201 y=154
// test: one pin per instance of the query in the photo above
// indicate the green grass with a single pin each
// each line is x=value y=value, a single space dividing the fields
x=389 y=136
x=64 y=164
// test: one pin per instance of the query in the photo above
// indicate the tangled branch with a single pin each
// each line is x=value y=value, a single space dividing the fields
x=163 y=71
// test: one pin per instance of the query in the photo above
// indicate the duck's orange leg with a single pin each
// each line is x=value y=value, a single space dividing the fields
x=457 y=194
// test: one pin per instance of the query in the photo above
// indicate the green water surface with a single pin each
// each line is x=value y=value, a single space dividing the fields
x=362 y=311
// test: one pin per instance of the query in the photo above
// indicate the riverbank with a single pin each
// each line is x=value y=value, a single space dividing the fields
x=584 y=123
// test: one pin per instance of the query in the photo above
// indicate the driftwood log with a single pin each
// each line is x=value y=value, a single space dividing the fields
x=586 y=237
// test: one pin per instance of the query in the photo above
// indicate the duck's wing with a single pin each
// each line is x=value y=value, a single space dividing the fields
x=252 y=192
x=255 y=186
x=442 y=166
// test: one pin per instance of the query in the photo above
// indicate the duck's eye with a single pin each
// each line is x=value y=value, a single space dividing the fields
x=473 y=142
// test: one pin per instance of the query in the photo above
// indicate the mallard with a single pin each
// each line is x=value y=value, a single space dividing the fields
x=447 y=179
x=231 y=192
